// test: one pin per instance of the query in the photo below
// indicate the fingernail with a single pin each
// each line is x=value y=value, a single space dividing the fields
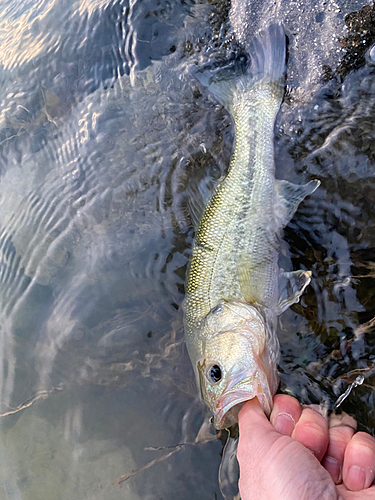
x=284 y=423
x=356 y=478
x=333 y=467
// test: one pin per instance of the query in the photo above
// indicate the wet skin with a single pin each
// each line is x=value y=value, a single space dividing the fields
x=299 y=455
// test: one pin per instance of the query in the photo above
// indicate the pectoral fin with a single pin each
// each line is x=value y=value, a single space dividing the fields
x=291 y=287
x=251 y=279
x=289 y=196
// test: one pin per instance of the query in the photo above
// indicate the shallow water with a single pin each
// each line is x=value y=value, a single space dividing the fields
x=105 y=141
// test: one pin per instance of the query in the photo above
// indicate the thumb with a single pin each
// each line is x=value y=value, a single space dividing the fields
x=257 y=439
x=256 y=431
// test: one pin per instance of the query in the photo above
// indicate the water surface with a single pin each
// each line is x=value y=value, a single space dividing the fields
x=107 y=147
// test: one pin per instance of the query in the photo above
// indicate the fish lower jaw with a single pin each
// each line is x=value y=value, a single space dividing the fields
x=228 y=407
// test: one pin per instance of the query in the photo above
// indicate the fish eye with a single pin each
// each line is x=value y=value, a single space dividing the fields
x=214 y=374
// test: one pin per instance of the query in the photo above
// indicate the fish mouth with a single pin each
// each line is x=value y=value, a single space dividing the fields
x=228 y=407
x=239 y=390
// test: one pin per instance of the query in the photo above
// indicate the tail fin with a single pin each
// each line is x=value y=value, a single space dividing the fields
x=267 y=54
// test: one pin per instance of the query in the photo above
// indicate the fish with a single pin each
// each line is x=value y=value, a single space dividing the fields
x=235 y=290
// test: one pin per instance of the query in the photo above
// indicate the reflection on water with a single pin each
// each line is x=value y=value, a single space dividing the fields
x=107 y=147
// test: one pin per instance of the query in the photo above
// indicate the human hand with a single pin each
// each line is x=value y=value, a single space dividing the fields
x=298 y=455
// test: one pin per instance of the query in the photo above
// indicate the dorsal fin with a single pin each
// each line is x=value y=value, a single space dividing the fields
x=195 y=204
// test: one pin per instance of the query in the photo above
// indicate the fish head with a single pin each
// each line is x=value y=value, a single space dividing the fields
x=238 y=362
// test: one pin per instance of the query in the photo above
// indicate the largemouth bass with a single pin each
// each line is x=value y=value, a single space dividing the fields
x=235 y=290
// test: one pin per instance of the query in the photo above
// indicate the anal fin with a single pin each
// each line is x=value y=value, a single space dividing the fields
x=289 y=196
